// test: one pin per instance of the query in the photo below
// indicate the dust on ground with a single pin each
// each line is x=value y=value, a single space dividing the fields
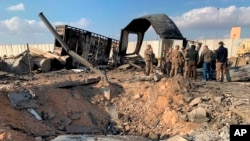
x=156 y=110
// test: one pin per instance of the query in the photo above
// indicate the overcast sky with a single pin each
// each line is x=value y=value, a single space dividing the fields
x=206 y=19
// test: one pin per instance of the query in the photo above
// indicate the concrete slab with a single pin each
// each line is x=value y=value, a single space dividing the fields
x=98 y=138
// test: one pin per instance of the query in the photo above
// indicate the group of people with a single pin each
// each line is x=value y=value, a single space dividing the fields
x=185 y=61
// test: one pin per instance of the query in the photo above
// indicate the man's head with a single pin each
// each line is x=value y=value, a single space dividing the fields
x=205 y=47
x=192 y=47
x=177 y=47
x=221 y=43
x=149 y=47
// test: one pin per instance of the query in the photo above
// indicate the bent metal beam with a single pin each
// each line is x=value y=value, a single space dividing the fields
x=70 y=52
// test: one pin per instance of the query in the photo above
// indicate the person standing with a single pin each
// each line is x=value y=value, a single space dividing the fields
x=206 y=60
x=168 y=63
x=193 y=57
x=221 y=61
x=186 y=64
x=182 y=65
x=148 y=58
x=176 y=61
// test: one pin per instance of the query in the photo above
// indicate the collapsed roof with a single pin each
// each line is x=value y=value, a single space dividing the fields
x=161 y=23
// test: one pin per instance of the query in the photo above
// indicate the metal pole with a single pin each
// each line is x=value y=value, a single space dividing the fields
x=217 y=22
x=28 y=54
x=32 y=32
x=65 y=46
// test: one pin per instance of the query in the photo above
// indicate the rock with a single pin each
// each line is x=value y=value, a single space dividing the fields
x=218 y=99
x=176 y=138
x=136 y=96
x=38 y=139
x=124 y=67
x=224 y=134
x=127 y=128
x=206 y=136
x=195 y=102
x=241 y=102
x=164 y=136
x=156 y=77
x=198 y=115
x=106 y=92
x=98 y=138
x=145 y=132
x=156 y=122
x=75 y=116
x=153 y=136
x=187 y=98
x=183 y=117
x=17 y=82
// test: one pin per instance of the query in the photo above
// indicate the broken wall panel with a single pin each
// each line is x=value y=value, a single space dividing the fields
x=93 y=47
x=13 y=50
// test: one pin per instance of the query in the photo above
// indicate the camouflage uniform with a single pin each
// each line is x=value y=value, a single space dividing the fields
x=185 y=64
x=176 y=62
x=168 y=63
x=148 y=58
x=182 y=63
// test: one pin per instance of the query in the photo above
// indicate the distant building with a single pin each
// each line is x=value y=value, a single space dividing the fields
x=235 y=32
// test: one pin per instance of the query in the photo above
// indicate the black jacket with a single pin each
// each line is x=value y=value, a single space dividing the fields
x=221 y=54
x=192 y=55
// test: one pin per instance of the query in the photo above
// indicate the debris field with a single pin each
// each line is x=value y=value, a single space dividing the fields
x=69 y=102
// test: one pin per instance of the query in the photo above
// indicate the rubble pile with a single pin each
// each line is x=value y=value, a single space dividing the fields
x=56 y=104
x=41 y=109
x=175 y=106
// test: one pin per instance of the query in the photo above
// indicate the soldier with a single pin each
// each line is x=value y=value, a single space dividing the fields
x=176 y=61
x=148 y=58
x=168 y=63
x=193 y=57
x=186 y=64
x=221 y=61
x=182 y=65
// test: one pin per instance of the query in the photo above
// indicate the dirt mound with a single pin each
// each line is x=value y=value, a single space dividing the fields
x=170 y=107
x=155 y=109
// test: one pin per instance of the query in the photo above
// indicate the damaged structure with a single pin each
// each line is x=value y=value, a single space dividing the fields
x=71 y=104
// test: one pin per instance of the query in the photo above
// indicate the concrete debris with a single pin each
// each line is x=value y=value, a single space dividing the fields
x=82 y=129
x=239 y=73
x=34 y=113
x=207 y=135
x=106 y=92
x=21 y=100
x=195 y=102
x=175 y=138
x=124 y=67
x=198 y=115
x=19 y=64
x=98 y=138
x=72 y=83
x=77 y=70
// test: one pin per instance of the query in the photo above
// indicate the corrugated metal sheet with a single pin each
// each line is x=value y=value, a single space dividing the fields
x=9 y=50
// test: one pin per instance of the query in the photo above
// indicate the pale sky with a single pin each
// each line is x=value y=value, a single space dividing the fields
x=20 y=24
